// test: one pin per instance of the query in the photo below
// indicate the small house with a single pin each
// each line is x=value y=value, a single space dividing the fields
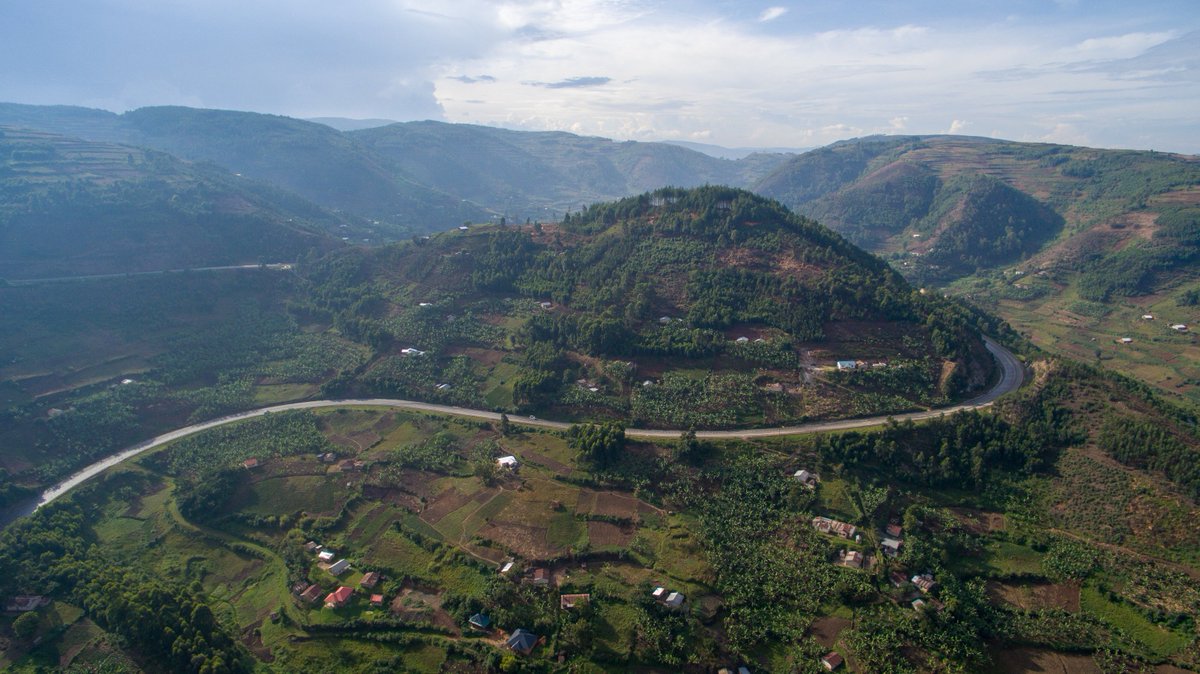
x=830 y=526
x=1147 y=317
x=312 y=547
x=442 y=387
x=370 y=579
x=742 y=340
x=480 y=622
x=463 y=228
x=339 y=597
x=311 y=594
x=346 y=465
x=541 y=577
x=853 y=559
x=847 y=364
x=326 y=555
x=546 y=305
x=891 y=546
x=376 y=600
x=674 y=600
x=327 y=457
x=425 y=304
x=664 y=320
x=250 y=463
x=893 y=530
x=832 y=661
x=569 y=601
x=1127 y=340
x=806 y=478
x=509 y=462
x=409 y=351
x=898 y=579
x=659 y=592
x=743 y=670
x=339 y=567
x=508 y=566
x=522 y=641
x=1179 y=327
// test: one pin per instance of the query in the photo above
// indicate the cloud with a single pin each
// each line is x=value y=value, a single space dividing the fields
x=957 y=126
x=772 y=13
x=465 y=79
x=572 y=83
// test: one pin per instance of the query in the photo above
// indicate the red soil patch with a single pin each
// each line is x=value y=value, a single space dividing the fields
x=607 y=534
x=610 y=504
x=488 y=357
x=1036 y=596
x=979 y=522
x=392 y=497
x=558 y=468
x=446 y=503
x=826 y=630
x=527 y=541
x=414 y=605
x=1009 y=660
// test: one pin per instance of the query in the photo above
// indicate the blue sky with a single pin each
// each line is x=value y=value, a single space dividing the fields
x=774 y=74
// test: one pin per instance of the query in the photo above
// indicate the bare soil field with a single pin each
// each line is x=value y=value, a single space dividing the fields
x=978 y=521
x=445 y=503
x=826 y=630
x=1008 y=660
x=606 y=534
x=527 y=541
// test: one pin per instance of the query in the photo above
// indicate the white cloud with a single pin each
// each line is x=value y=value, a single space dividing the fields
x=957 y=126
x=1114 y=47
x=772 y=13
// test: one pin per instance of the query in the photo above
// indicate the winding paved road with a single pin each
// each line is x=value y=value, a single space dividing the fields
x=1012 y=376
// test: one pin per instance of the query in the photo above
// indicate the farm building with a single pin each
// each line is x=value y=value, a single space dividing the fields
x=522 y=641
x=339 y=597
x=1179 y=327
x=806 y=478
x=847 y=364
x=325 y=555
x=568 y=601
x=311 y=594
x=508 y=566
x=339 y=567
x=509 y=462
x=832 y=661
x=659 y=592
x=370 y=579
x=830 y=526
x=479 y=621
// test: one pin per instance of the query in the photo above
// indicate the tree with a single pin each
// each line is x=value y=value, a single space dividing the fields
x=600 y=444
x=26 y=625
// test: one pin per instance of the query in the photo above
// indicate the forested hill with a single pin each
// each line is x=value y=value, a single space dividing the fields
x=712 y=293
x=70 y=207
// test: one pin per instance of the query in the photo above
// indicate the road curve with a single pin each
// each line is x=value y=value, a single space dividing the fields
x=1012 y=376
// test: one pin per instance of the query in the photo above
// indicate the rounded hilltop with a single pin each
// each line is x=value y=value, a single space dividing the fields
x=708 y=307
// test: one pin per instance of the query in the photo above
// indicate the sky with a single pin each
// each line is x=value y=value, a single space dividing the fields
x=726 y=72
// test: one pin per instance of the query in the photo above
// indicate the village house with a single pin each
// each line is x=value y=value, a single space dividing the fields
x=893 y=530
x=409 y=351
x=327 y=457
x=250 y=463
x=891 y=546
x=508 y=462
x=927 y=604
x=924 y=582
x=312 y=547
x=339 y=567
x=540 y=577
x=326 y=555
x=832 y=661
x=24 y=603
x=806 y=478
x=1179 y=327
x=847 y=364
x=480 y=622
x=674 y=600
x=658 y=593
x=898 y=579
x=370 y=579
x=311 y=594
x=852 y=559
x=522 y=641
x=830 y=526
x=569 y=601
x=508 y=566
x=339 y=597
x=376 y=600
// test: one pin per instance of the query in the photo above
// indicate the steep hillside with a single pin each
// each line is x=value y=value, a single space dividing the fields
x=70 y=207
x=708 y=307
x=541 y=175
